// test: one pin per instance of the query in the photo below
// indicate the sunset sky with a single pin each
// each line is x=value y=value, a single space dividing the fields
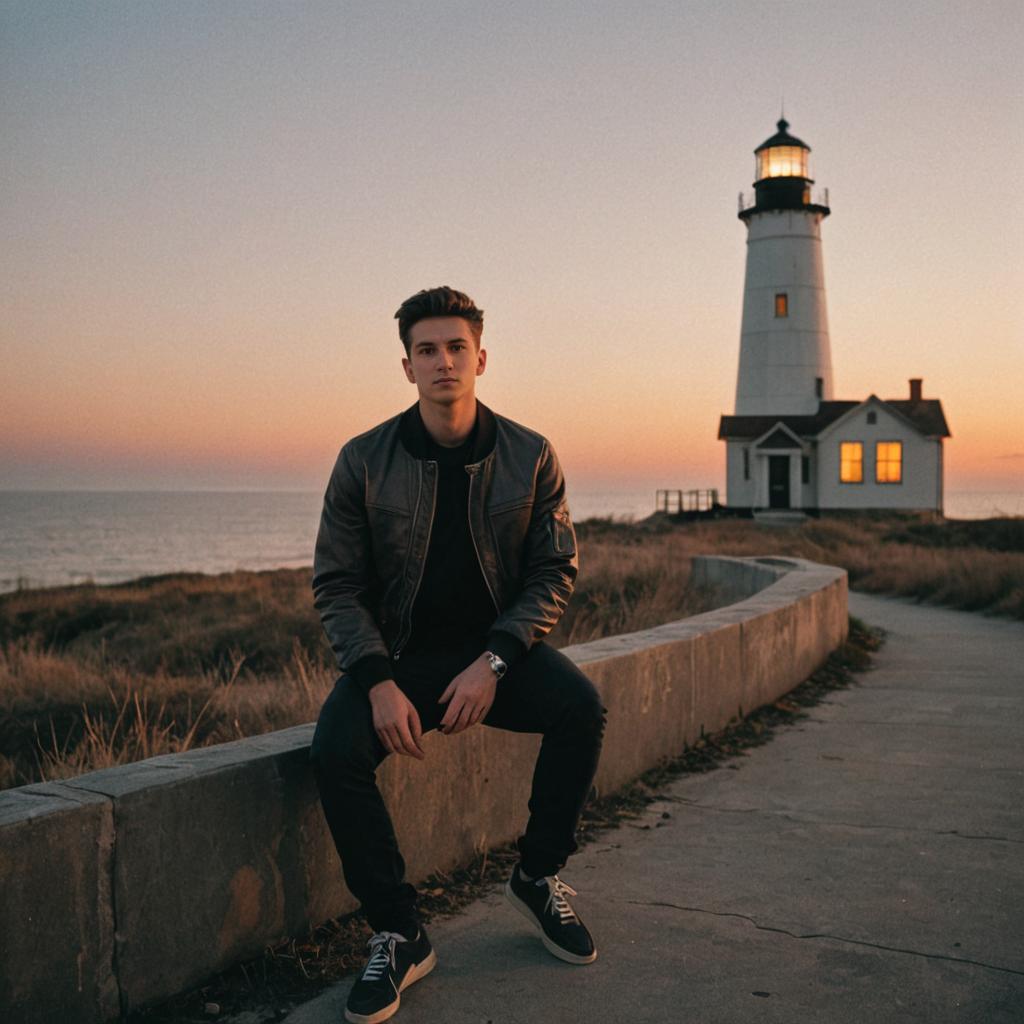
x=211 y=211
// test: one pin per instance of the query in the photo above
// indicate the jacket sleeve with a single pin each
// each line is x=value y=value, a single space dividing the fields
x=550 y=565
x=343 y=577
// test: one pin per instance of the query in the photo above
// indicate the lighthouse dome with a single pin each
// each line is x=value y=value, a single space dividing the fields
x=782 y=156
x=782 y=138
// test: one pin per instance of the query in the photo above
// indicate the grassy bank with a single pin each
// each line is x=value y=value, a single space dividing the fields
x=974 y=565
x=96 y=676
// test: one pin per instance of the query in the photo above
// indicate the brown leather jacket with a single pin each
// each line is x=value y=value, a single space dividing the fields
x=375 y=532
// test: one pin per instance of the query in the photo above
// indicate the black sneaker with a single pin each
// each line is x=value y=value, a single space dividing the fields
x=543 y=903
x=395 y=963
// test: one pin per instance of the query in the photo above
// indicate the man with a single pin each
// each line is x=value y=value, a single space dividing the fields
x=445 y=554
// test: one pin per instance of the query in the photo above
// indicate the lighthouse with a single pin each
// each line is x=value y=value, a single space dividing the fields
x=785 y=363
x=792 y=448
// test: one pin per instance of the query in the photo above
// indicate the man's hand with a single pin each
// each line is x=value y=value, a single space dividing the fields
x=396 y=720
x=470 y=695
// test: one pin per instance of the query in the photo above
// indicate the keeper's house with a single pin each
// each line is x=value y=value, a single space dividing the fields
x=873 y=454
x=790 y=444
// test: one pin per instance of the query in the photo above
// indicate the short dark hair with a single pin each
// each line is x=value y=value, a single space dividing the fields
x=443 y=301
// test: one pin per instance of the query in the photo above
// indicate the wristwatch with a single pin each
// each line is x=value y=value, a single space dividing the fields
x=498 y=666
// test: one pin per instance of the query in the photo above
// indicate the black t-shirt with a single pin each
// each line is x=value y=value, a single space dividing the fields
x=453 y=603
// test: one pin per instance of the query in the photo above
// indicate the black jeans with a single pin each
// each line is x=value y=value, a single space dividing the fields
x=543 y=693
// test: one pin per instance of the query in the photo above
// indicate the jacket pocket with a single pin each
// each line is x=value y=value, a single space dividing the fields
x=563 y=537
x=389 y=543
x=509 y=529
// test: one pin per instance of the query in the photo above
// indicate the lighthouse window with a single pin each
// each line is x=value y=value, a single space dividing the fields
x=889 y=462
x=851 y=462
x=782 y=304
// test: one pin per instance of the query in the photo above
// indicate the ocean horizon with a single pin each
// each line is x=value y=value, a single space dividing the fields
x=55 y=538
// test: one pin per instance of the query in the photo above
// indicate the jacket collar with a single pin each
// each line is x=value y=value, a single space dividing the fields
x=416 y=440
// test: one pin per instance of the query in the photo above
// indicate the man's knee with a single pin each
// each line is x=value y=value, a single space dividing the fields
x=582 y=703
x=591 y=710
x=344 y=740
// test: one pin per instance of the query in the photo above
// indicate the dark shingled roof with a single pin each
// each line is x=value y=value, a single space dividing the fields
x=802 y=426
x=925 y=416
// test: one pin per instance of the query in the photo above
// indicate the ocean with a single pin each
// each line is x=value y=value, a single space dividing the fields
x=51 y=538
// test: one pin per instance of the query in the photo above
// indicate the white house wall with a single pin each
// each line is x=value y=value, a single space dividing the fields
x=739 y=492
x=922 y=465
x=809 y=490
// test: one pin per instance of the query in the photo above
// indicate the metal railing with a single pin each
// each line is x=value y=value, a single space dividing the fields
x=748 y=200
x=679 y=501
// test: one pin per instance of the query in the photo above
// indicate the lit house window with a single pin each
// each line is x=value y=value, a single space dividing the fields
x=889 y=462
x=782 y=304
x=851 y=462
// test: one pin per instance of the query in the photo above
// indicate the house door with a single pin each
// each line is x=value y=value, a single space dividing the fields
x=778 y=481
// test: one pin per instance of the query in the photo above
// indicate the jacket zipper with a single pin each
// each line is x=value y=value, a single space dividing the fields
x=423 y=561
x=472 y=471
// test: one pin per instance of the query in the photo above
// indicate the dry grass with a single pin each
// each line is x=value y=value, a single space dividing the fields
x=63 y=715
x=973 y=565
x=92 y=677
x=97 y=676
x=628 y=581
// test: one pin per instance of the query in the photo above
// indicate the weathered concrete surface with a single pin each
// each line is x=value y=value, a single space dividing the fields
x=482 y=769
x=56 y=847
x=209 y=862
x=737 y=578
x=665 y=686
x=867 y=864
x=219 y=851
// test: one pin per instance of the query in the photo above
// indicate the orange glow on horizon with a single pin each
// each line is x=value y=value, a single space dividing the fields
x=206 y=246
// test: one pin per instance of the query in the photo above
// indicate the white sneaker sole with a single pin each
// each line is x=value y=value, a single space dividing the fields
x=417 y=971
x=552 y=947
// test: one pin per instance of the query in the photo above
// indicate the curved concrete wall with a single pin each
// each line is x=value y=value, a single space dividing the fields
x=125 y=886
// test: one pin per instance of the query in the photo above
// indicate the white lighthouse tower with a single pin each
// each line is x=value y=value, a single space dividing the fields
x=785 y=363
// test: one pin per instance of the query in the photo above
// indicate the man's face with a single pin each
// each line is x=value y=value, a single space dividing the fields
x=444 y=360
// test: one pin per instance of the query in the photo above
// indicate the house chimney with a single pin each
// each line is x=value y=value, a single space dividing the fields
x=915 y=389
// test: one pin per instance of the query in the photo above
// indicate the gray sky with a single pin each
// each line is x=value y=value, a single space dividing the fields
x=211 y=212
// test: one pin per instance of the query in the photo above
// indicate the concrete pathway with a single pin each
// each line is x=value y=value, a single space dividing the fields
x=866 y=865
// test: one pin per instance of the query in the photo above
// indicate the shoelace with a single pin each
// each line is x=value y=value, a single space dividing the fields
x=558 y=890
x=382 y=954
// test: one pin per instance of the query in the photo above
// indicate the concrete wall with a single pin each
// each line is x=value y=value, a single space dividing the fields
x=125 y=886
